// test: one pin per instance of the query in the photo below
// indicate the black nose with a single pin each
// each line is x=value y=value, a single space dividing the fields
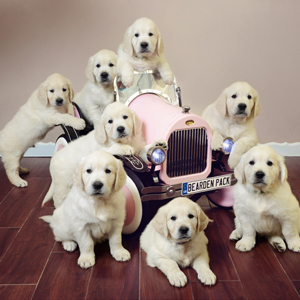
x=144 y=45
x=59 y=101
x=242 y=106
x=104 y=75
x=97 y=185
x=259 y=174
x=183 y=229
x=121 y=129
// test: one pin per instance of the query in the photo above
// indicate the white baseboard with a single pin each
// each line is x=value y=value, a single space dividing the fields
x=47 y=149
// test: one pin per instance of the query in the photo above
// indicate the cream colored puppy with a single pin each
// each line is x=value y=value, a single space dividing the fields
x=119 y=132
x=264 y=203
x=98 y=92
x=142 y=49
x=94 y=210
x=174 y=238
x=46 y=107
x=232 y=115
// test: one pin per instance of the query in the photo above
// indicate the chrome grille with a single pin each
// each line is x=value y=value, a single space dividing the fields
x=187 y=152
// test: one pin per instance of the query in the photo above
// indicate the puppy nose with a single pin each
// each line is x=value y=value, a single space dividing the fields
x=144 y=45
x=259 y=174
x=59 y=101
x=104 y=75
x=121 y=129
x=242 y=106
x=97 y=185
x=183 y=229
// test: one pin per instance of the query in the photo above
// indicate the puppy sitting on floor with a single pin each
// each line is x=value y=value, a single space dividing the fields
x=142 y=49
x=94 y=210
x=175 y=237
x=264 y=203
x=232 y=115
x=98 y=92
x=46 y=107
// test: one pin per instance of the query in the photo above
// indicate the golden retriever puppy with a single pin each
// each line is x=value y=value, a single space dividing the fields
x=46 y=108
x=94 y=209
x=119 y=132
x=232 y=115
x=174 y=238
x=98 y=92
x=142 y=49
x=264 y=203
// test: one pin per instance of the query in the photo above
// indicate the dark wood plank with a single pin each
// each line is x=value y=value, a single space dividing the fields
x=16 y=292
x=63 y=278
x=293 y=166
x=112 y=279
x=7 y=235
x=24 y=262
x=297 y=286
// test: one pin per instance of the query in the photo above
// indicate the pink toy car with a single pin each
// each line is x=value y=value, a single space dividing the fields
x=188 y=168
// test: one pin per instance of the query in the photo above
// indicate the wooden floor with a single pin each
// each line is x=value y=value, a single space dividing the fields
x=33 y=266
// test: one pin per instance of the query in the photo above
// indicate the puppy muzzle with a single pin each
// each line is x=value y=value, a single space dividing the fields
x=97 y=188
x=121 y=132
x=59 y=102
x=259 y=178
x=104 y=77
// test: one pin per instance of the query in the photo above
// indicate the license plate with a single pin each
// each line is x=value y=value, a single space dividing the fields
x=207 y=184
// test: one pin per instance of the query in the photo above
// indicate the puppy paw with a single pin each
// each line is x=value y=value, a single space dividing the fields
x=217 y=142
x=121 y=255
x=207 y=277
x=79 y=124
x=86 y=261
x=161 y=143
x=168 y=77
x=233 y=160
x=244 y=245
x=127 y=79
x=295 y=245
x=19 y=182
x=177 y=279
x=69 y=246
x=278 y=243
x=235 y=235
x=126 y=150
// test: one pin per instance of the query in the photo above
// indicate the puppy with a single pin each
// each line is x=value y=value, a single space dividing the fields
x=264 y=203
x=46 y=107
x=142 y=49
x=231 y=115
x=119 y=132
x=94 y=210
x=98 y=92
x=175 y=237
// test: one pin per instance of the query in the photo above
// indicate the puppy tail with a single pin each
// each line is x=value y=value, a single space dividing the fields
x=49 y=195
x=46 y=219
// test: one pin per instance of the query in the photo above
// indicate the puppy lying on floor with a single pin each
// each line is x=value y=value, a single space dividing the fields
x=98 y=92
x=264 y=203
x=119 y=132
x=94 y=210
x=232 y=115
x=46 y=107
x=175 y=237
x=142 y=49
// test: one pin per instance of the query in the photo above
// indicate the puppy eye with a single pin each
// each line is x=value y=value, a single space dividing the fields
x=125 y=117
x=64 y=89
x=107 y=171
x=191 y=216
x=98 y=65
x=136 y=35
x=110 y=121
x=249 y=97
x=251 y=162
x=173 y=218
x=150 y=34
x=51 y=91
x=111 y=65
x=269 y=163
x=89 y=171
x=233 y=96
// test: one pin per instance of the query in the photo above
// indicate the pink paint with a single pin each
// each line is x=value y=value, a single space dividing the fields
x=130 y=206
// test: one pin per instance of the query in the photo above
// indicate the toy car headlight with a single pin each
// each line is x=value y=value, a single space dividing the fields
x=227 y=145
x=156 y=155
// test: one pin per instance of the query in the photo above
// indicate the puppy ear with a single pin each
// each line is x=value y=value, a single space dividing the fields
x=221 y=104
x=71 y=91
x=121 y=176
x=100 y=131
x=159 y=222
x=89 y=70
x=203 y=219
x=160 y=44
x=77 y=175
x=239 y=171
x=137 y=124
x=42 y=94
x=127 y=45
x=283 y=170
x=256 y=107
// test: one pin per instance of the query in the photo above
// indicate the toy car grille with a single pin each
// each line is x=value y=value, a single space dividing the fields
x=187 y=152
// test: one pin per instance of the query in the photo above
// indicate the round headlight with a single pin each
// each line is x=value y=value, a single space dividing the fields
x=227 y=145
x=156 y=155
